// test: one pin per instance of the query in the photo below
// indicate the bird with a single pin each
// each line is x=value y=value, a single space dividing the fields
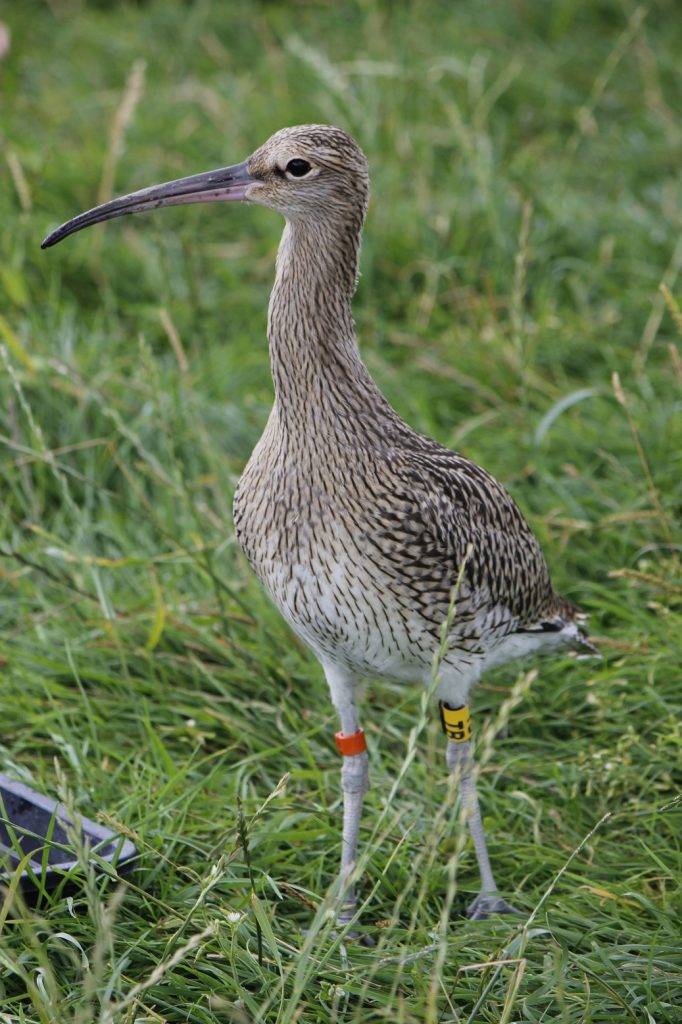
x=364 y=532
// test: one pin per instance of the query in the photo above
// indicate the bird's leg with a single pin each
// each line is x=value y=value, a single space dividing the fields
x=355 y=783
x=350 y=741
x=457 y=727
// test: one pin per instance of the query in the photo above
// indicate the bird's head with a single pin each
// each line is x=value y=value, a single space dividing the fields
x=308 y=173
x=311 y=171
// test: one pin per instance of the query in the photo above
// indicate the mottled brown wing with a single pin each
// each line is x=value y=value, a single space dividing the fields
x=438 y=506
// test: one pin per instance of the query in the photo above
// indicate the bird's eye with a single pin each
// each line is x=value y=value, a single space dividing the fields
x=298 y=168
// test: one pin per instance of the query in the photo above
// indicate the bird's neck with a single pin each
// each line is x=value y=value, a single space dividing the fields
x=313 y=348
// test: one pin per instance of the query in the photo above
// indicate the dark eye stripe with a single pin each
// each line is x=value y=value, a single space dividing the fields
x=298 y=167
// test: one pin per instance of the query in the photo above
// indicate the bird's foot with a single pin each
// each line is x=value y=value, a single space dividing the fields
x=360 y=938
x=486 y=904
x=344 y=917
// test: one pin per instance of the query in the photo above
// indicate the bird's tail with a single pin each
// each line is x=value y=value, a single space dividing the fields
x=574 y=628
x=568 y=623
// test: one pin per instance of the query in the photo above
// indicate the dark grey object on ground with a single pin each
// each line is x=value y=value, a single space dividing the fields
x=30 y=821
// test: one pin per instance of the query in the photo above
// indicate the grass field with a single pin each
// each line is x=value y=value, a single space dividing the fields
x=526 y=205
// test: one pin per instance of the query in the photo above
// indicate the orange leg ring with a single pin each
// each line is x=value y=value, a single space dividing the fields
x=353 y=744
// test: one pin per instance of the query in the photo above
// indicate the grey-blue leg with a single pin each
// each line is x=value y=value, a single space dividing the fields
x=460 y=762
x=354 y=782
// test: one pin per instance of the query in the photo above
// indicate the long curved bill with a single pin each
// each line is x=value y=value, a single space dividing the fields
x=227 y=183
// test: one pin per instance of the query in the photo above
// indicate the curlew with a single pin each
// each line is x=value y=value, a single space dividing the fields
x=357 y=526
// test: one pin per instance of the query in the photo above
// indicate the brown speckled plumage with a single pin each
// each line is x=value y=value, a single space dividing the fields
x=356 y=524
x=359 y=527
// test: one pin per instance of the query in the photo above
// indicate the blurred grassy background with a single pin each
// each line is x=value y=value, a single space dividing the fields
x=526 y=208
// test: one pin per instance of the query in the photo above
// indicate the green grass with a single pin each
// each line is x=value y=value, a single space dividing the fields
x=526 y=207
